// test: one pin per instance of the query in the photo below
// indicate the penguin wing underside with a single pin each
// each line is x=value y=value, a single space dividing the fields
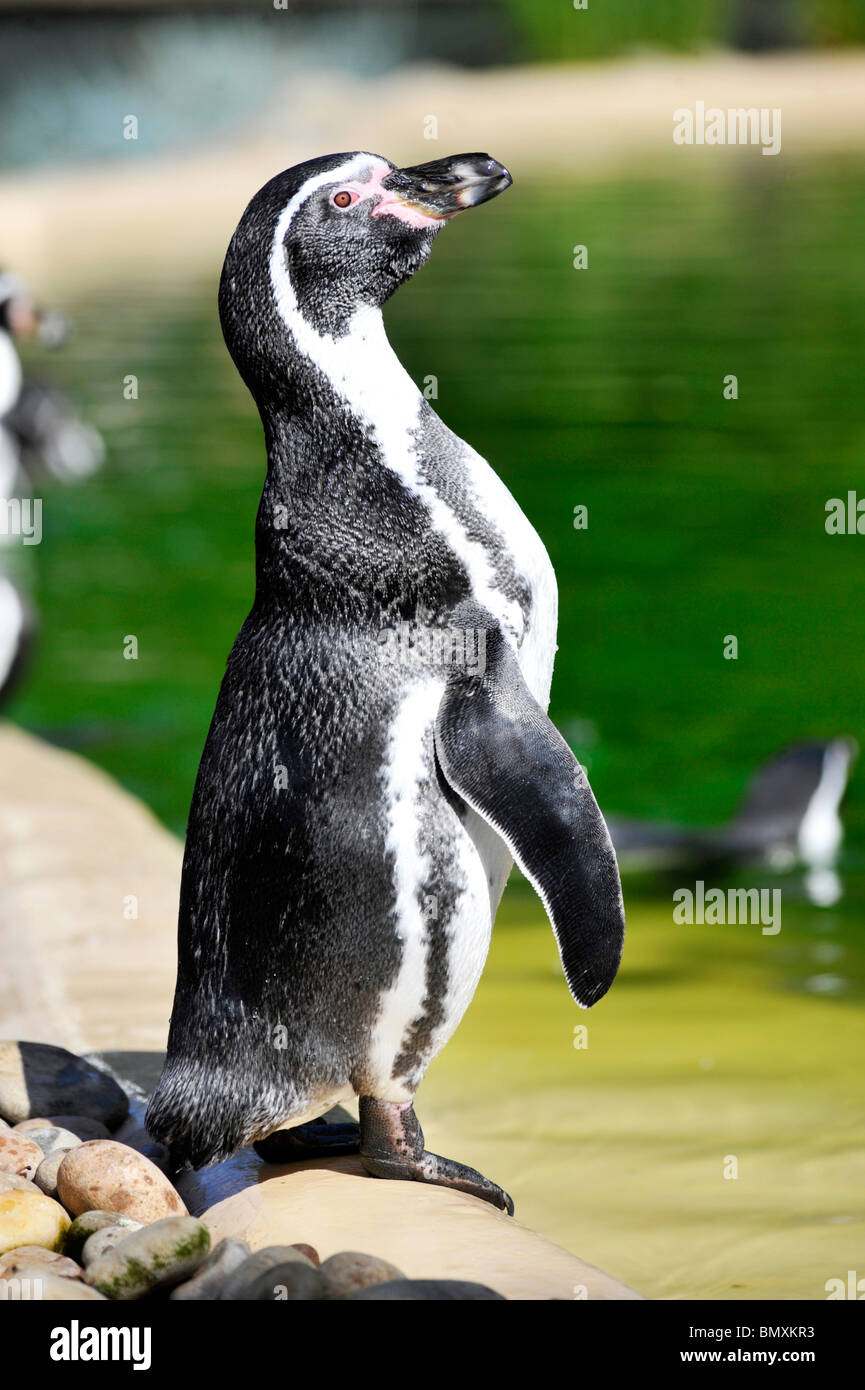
x=501 y=754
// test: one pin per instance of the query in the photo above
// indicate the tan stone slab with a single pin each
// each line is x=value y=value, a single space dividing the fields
x=74 y=850
x=427 y=1232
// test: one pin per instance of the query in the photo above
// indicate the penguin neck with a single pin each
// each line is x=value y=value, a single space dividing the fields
x=360 y=369
x=348 y=401
x=341 y=434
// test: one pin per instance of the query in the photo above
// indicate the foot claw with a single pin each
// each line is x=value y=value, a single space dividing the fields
x=392 y=1147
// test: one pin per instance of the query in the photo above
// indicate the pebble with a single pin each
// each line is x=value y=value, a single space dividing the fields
x=40 y=1122
x=102 y=1241
x=81 y=1126
x=19 y=1155
x=102 y=1174
x=162 y=1254
x=31 y=1218
x=45 y=1176
x=425 y=1290
x=210 y=1278
x=37 y=1079
x=27 y=1256
x=349 y=1271
x=289 y=1282
x=309 y=1251
x=51 y=1138
x=84 y=1226
x=10 y=1182
x=50 y=1288
x=271 y=1257
x=137 y=1138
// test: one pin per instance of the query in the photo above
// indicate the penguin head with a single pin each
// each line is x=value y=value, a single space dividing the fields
x=333 y=236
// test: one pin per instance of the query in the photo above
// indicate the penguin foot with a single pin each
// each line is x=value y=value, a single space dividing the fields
x=316 y=1139
x=392 y=1146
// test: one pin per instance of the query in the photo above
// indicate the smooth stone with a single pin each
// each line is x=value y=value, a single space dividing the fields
x=82 y=1126
x=349 y=1271
x=45 y=1176
x=102 y=1241
x=52 y=1137
x=84 y=1226
x=4 y=1124
x=292 y=1281
x=50 y=1288
x=108 y=1176
x=10 y=1182
x=38 y=1122
x=137 y=1138
x=27 y=1256
x=424 y=1290
x=210 y=1278
x=38 y=1079
x=19 y=1155
x=160 y=1255
x=260 y=1264
x=311 y=1254
x=31 y=1218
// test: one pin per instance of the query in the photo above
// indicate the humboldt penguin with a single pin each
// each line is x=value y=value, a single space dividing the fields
x=380 y=751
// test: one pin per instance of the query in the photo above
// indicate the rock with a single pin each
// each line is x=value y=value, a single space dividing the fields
x=136 y=1137
x=102 y=1241
x=160 y=1255
x=307 y=1250
x=31 y=1218
x=45 y=1176
x=10 y=1182
x=350 y=1271
x=39 y=1122
x=27 y=1256
x=87 y=1223
x=424 y=1290
x=290 y=1282
x=82 y=1126
x=51 y=1139
x=261 y=1263
x=108 y=1176
x=34 y=1283
x=19 y=1155
x=210 y=1278
x=37 y=1079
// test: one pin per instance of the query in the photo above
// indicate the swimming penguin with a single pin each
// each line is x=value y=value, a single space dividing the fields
x=380 y=750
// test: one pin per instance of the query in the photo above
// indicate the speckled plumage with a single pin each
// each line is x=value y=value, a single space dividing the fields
x=339 y=887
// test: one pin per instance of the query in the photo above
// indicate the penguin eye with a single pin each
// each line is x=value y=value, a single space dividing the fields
x=344 y=198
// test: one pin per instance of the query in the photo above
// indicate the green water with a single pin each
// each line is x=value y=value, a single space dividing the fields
x=600 y=387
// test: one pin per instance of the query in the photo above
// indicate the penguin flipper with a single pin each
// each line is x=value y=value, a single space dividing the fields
x=501 y=754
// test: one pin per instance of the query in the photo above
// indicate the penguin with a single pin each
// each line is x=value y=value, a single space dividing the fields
x=40 y=433
x=380 y=751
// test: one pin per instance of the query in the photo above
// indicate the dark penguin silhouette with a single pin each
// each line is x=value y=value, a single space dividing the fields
x=380 y=749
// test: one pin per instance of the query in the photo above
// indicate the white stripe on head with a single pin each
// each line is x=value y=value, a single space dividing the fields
x=366 y=374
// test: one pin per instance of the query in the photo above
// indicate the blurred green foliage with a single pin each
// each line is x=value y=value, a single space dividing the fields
x=554 y=30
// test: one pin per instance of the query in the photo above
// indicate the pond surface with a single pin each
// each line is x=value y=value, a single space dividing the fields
x=600 y=388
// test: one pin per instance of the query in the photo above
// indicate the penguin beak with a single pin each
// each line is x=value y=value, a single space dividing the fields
x=434 y=192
